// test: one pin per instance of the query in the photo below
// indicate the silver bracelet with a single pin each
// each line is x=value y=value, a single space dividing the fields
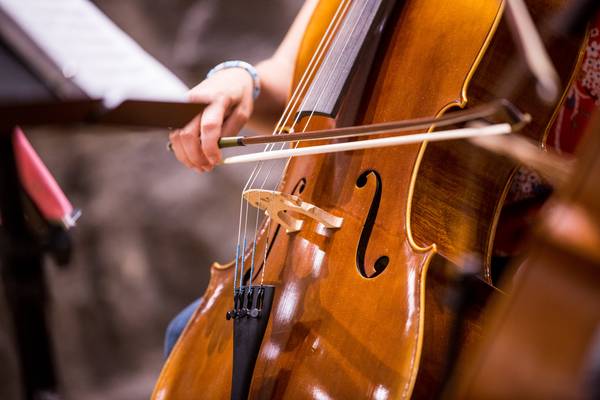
x=249 y=68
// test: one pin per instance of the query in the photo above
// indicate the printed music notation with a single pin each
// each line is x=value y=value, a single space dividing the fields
x=88 y=49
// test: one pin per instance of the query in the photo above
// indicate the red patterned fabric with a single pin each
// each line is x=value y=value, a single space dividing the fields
x=528 y=191
x=582 y=99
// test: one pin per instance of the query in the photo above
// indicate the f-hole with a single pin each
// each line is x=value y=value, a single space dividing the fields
x=361 y=250
x=298 y=189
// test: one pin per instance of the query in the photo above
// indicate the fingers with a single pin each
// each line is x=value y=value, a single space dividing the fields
x=187 y=147
x=177 y=147
x=228 y=95
x=236 y=121
x=211 y=123
x=192 y=147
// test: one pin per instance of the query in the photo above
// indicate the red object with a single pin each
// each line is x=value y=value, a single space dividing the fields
x=528 y=191
x=582 y=100
x=39 y=184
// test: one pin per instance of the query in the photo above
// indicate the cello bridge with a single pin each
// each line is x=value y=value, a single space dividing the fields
x=276 y=205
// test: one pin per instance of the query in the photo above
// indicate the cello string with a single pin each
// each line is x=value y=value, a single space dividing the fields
x=298 y=116
x=340 y=57
x=293 y=100
x=300 y=89
x=270 y=169
x=280 y=127
x=288 y=112
x=296 y=121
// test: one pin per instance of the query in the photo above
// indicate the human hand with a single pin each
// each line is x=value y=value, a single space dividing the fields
x=228 y=95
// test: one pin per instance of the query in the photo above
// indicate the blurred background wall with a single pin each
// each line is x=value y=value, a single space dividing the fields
x=150 y=228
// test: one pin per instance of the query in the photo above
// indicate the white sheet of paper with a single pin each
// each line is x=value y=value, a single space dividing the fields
x=90 y=49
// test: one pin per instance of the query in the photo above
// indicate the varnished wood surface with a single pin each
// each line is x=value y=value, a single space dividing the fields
x=542 y=341
x=440 y=317
x=459 y=204
x=333 y=332
x=381 y=324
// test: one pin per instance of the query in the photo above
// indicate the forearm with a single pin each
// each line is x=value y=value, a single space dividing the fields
x=275 y=90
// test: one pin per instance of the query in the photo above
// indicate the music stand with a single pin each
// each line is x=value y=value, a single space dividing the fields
x=27 y=100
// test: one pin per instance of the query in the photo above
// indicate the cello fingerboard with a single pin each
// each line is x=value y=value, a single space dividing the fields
x=360 y=29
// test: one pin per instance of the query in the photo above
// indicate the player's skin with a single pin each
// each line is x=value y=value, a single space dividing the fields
x=228 y=95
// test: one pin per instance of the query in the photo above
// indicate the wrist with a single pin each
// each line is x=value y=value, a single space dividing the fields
x=249 y=68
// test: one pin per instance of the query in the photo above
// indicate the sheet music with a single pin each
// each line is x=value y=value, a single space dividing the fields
x=92 y=51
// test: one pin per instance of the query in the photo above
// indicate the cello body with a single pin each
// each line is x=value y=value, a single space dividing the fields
x=353 y=306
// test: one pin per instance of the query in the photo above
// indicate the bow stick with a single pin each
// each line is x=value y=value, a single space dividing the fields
x=488 y=110
x=490 y=130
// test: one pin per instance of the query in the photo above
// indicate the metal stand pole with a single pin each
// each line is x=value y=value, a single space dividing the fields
x=24 y=283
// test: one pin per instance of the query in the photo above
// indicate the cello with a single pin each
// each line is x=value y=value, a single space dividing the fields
x=345 y=302
x=551 y=317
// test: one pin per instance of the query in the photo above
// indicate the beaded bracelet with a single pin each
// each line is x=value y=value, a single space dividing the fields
x=243 y=65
